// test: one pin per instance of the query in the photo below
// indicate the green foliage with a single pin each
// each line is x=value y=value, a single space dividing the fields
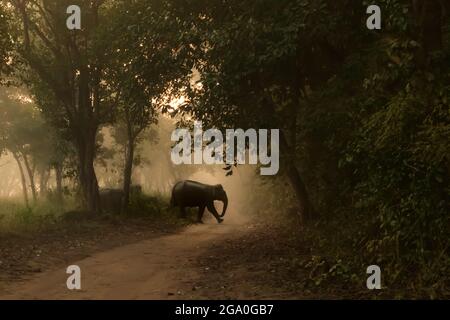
x=146 y=205
x=367 y=113
x=153 y=207
x=16 y=217
x=375 y=140
x=6 y=42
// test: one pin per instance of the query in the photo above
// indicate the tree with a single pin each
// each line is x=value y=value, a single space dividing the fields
x=266 y=81
x=128 y=60
x=66 y=64
x=5 y=42
x=134 y=118
x=146 y=66
x=22 y=131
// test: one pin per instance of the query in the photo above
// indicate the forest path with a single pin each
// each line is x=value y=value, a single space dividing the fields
x=158 y=268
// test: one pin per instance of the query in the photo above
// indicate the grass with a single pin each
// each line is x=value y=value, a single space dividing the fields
x=15 y=217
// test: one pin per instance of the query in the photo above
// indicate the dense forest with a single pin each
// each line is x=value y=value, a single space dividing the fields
x=364 y=115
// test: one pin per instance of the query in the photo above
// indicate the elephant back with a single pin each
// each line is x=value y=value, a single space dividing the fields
x=190 y=192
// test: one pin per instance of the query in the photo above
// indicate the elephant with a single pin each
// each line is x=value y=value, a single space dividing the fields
x=190 y=193
x=111 y=200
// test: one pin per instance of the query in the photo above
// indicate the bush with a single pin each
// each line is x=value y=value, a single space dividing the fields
x=147 y=205
x=15 y=216
x=377 y=166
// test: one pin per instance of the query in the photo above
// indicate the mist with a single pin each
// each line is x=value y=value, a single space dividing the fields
x=154 y=171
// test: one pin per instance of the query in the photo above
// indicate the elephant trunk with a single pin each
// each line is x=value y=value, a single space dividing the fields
x=225 y=205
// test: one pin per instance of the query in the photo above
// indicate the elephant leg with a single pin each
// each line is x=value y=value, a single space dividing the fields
x=201 y=211
x=213 y=210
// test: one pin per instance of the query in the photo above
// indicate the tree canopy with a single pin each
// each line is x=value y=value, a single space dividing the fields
x=364 y=115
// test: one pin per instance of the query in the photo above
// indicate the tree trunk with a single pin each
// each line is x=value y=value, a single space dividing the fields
x=23 y=179
x=85 y=131
x=307 y=211
x=87 y=176
x=432 y=25
x=31 y=177
x=128 y=170
x=43 y=182
x=428 y=16
x=42 y=187
x=59 y=187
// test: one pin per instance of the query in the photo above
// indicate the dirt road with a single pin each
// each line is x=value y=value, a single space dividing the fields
x=159 y=268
